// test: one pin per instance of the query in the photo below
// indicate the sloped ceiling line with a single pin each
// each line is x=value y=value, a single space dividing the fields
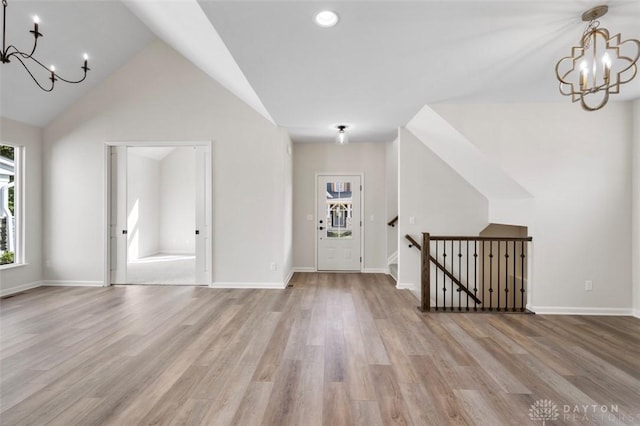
x=184 y=26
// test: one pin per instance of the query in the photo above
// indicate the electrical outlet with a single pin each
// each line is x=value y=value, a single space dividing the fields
x=412 y=220
x=588 y=285
x=274 y=266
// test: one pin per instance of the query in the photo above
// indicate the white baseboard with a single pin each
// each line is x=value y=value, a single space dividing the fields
x=636 y=313
x=19 y=288
x=393 y=258
x=244 y=285
x=566 y=310
x=375 y=271
x=406 y=286
x=303 y=269
x=289 y=276
x=66 y=283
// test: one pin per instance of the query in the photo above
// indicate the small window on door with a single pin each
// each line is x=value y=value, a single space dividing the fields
x=339 y=210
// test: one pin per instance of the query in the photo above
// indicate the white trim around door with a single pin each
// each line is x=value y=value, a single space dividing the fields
x=204 y=225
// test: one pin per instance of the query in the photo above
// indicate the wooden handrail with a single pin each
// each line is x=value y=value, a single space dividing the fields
x=393 y=221
x=456 y=238
x=456 y=281
x=413 y=242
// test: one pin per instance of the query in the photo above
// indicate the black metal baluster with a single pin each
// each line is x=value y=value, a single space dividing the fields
x=459 y=274
x=436 y=287
x=467 y=283
x=498 y=275
x=444 y=277
x=514 y=276
x=506 y=276
x=491 y=275
x=452 y=273
x=484 y=273
x=475 y=274
x=522 y=256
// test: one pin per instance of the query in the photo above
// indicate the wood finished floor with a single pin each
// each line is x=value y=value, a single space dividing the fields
x=336 y=349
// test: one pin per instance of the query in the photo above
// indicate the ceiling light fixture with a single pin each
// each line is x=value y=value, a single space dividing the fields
x=599 y=65
x=327 y=19
x=11 y=52
x=342 y=138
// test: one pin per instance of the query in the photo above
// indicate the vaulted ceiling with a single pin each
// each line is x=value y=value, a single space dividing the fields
x=373 y=71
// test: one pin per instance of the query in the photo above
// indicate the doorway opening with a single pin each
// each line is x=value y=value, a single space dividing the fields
x=159 y=210
x=339 y=227
x=161 y=205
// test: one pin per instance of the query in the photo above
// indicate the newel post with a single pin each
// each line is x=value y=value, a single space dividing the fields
x=426 y=273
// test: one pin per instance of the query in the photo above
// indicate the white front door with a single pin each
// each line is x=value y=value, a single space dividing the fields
x=339 y=224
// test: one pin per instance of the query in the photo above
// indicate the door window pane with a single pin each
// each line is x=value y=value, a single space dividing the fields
x=339 y=209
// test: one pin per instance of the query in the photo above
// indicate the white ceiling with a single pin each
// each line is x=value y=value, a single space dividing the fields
x=373 y=71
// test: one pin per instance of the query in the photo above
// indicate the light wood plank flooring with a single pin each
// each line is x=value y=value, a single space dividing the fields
x=336 y=349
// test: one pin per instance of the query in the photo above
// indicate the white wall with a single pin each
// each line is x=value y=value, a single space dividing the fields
x=577 y=166
x=143 y=206
x=367 y=158
x=287 y=195
x=159 y=96
x=635 y=253
x=13 y=279
x=439 y=199
x=392 y=195
x=177 y=185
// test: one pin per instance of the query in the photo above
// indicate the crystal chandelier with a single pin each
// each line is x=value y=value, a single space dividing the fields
x=11 y=52
x=598 y=65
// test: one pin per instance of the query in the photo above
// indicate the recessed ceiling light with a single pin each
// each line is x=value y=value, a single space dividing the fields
x=326 y=19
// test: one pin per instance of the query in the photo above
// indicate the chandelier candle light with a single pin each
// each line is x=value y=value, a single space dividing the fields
x=11 y=52
x=599 y=65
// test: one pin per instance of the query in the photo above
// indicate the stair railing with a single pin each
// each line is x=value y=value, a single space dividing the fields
x=460 y=287
x=473 y=273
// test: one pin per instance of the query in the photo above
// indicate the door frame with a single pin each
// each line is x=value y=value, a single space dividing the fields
x=315 y=215
x=108 y=145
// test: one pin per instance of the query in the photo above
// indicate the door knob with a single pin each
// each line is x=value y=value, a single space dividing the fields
x=197 y=232
x=321 y=228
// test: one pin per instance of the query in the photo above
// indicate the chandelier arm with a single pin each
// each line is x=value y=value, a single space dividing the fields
x=35 y=44
x=604 y=101
x=76 y=81
x=4 y=29
x=16 y=52
x=33 y=77
x=45 y=67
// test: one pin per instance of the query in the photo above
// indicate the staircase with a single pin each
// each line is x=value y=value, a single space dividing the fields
x=392 y=262
x=393 y=271
x=473 y=273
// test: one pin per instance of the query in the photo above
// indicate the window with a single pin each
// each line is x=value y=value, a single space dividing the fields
x=10 y=205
